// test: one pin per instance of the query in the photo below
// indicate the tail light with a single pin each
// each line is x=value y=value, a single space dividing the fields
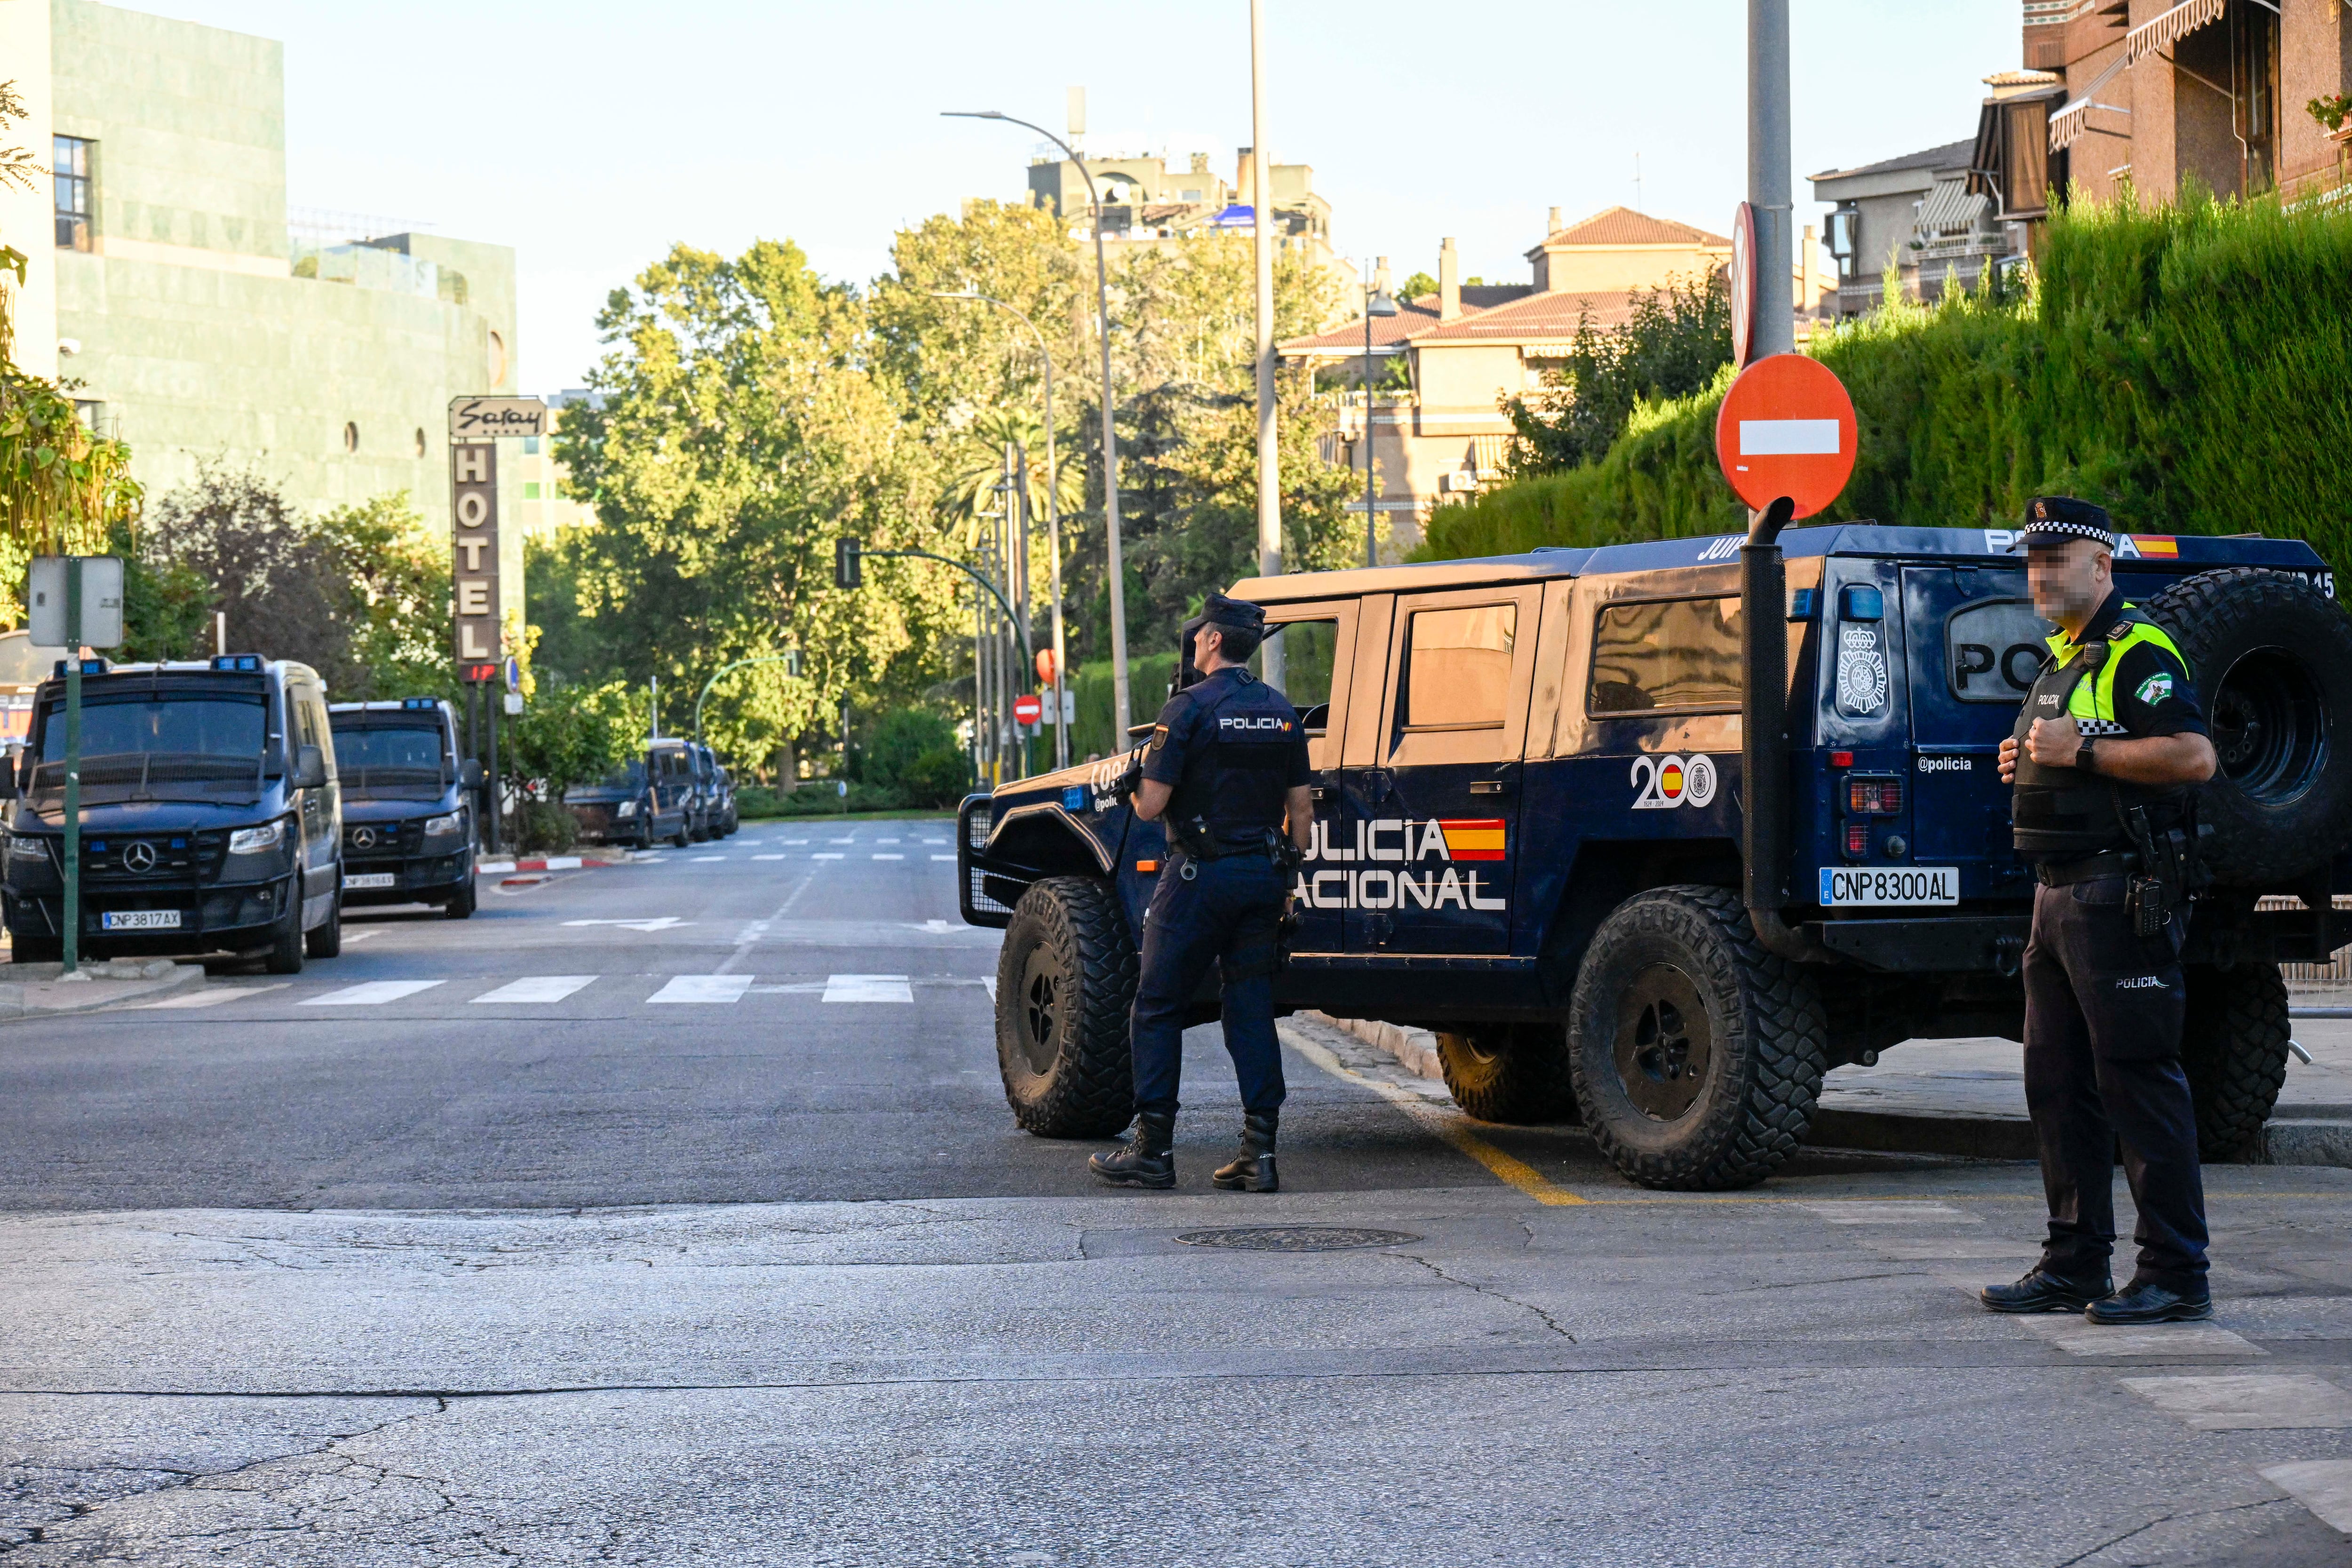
x=1857 y=840
x=1874 y=797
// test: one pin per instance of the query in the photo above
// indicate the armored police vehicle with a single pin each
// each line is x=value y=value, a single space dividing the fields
x=408 y=805
x=1654 y=835
x=211 y=816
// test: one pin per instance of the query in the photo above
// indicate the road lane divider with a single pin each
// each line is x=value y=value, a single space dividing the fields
x=535 y=988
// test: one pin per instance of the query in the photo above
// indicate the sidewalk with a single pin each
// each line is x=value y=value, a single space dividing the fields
x=36 y=990
x=1967 y=1097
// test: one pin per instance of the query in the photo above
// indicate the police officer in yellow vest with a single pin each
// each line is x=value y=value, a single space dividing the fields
x=2108 y=748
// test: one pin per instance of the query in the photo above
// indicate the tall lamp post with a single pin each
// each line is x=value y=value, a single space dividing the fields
x=1121 y=707
x=1053 y=513
x=1269 y=450
x=1376 y=303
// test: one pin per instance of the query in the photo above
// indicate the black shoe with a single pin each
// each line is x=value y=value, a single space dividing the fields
x=2043 y=1291
x=1147 y=1160
x=1252 y=1169
x=2144 y=1303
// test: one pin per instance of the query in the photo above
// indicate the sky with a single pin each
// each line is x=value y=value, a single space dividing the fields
x=592 y=136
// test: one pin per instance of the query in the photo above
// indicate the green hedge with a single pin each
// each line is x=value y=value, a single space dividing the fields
x=2187 y=367
x=1147 y=684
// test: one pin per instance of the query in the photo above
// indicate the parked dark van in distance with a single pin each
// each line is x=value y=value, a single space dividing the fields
x=408 y=805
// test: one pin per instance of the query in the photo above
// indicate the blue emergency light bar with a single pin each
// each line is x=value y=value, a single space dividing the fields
x=418 y=703
x=88 y=667
x=241 y=663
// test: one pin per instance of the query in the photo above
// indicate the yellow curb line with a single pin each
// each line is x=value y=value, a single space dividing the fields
x=1444 y=1122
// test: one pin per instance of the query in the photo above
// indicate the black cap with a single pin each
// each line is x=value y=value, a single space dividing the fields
x=1227 y=612
x=2054 y=520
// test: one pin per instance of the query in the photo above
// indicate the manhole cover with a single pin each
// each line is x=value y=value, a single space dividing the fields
x=1295 y=1238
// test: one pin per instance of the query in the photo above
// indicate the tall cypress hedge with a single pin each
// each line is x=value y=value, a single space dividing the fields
x=2187 y=367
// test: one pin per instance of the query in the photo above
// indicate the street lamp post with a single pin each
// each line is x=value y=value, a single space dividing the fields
x=1121 y=707
x=1053 y=515
x=1269 y=450
x=1376 y=303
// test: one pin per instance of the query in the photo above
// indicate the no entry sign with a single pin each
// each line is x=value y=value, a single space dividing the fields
x=1028 y=709
x=1787 y=430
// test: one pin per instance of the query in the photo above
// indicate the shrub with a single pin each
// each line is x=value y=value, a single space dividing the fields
x=940 y=777
x=542 y=827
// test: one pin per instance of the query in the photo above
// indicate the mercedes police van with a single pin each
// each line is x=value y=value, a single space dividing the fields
x=210 y=815
x=408 y=805
x=1654 y=835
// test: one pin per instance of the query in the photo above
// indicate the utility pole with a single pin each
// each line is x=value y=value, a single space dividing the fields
x=1269 y=451
x=1767 y=175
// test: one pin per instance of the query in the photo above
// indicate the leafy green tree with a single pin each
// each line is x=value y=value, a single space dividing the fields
x=1679 y=338
x=397 y=601
x=570 y=734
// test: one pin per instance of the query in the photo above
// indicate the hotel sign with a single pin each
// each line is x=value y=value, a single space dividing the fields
x=474 y=542
x=481 y=418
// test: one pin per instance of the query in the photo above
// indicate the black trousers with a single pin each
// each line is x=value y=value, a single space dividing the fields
x=2103 y=1014
x=1228 y=912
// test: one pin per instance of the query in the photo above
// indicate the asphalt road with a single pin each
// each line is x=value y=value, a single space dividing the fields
x=671 y=1213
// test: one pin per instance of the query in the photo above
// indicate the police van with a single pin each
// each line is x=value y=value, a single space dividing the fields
x=1654 y=835
x=408 y=805
x=210 y=815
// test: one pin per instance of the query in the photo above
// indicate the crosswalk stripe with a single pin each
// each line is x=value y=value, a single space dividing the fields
x=767 y=856
x=890 y=856
x=371 y=994
x=699 y=859
x=821 y=855
x=868 y=988
x=216 y=997
x=536 y=988
x=702 y=988
x=948 y=857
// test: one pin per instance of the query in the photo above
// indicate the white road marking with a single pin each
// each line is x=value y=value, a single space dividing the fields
x=369 y=994
x=937 y=928
x=790 y=843
x=851 y=839
x=990 y=983
x=352 y=936
x=535 y=988
x=890 y=856
x=703 y=988
x=2080 y=1336
x=699 y=859
x=805 y=988
x=934 y=841
x=1896 y=1212
x=886 y=841
x=822 y=856
x=214 y=997
x=767 y=856
x=948 y=859
x=660 y=923
x=2322 y=1485
x=868 y=988
x=2225 y=1404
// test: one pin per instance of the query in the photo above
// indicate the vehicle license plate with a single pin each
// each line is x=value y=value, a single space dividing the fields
x=370 y=879
x=139 y=919
x=1852 y=885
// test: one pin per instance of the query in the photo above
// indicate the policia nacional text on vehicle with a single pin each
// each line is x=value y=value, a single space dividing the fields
x=2108 y=749
x=1654 y=835
x=1226 y=771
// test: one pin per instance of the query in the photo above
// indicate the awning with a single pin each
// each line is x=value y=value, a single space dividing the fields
x=2156 y=33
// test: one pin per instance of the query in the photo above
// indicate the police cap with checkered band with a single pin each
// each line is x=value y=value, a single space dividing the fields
x=2054 y=520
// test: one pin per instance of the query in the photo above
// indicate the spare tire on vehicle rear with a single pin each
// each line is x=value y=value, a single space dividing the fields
x=2271 y=657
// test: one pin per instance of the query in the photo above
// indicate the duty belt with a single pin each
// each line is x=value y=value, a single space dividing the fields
x=2065 y=873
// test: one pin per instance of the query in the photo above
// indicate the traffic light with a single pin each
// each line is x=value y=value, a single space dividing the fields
x=849 y=570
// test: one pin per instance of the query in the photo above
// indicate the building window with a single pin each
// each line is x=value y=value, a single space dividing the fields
x=351 y=437
x=420 y=440
x=498 y=360
x=530 y=445
x=88 y=411
x=1845 y=235
x=530 y=490
x=70 y=158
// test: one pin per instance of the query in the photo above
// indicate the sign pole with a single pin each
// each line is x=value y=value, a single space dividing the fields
x=71 y=948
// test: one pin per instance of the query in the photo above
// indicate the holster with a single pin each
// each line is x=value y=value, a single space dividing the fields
x=2170 y=869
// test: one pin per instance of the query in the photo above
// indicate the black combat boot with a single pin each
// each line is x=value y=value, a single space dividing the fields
x=1252 y=1169
x=1148 y=1160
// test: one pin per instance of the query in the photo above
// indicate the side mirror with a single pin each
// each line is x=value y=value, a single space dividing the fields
x=309 y=768
x=469 y=774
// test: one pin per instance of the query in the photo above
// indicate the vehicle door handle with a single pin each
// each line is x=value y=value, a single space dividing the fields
x=1323 y=794
x=1491 y=786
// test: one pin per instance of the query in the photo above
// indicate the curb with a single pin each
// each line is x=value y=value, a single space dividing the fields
x=16 y=999
x=548 y=863
x=1415 y=1049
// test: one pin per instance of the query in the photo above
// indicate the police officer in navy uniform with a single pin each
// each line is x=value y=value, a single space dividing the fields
x=2108 y=749
x=1226 y=766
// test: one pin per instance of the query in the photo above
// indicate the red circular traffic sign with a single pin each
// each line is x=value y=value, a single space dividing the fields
x=1028 y=709
x=1743 y=284
x=1786 y=429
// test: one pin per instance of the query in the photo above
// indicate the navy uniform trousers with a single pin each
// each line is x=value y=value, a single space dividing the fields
x=1229 y=913
x=2103 y=1017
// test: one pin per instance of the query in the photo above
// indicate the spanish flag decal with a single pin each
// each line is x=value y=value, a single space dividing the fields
x=1478 y=839
x=2157 y=545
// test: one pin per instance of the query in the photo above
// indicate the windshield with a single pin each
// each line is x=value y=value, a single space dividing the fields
x=151 y=747
x=389 y=759
x=629 y=776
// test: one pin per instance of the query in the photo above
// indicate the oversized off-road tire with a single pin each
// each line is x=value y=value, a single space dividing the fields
x=1065 y=981
x=1509 y=1072
x=2233 y=1047
x=2271 y=657
x=1697 y=1054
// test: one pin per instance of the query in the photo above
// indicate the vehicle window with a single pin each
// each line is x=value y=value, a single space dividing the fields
x=388 y=755
x=1993 y=649
x=1306 y=653
x=629 y=775
x=228 y=727
x=1458 y=666
x=1667 y=656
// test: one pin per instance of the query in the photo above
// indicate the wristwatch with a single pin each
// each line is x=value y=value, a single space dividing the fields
x=2084 y=758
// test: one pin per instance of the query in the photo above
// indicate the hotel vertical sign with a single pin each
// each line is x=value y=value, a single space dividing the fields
x=475 y=425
